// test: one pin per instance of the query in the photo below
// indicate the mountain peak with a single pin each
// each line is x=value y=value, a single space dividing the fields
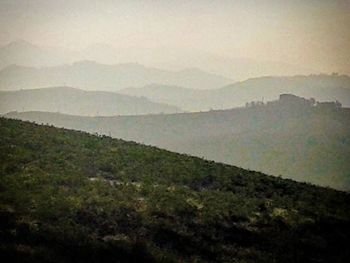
x=21 y=44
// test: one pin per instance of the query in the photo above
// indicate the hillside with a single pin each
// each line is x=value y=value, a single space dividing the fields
x=68 y=196
x=302 y=142
x=79 y=102
x=320 y=87
x=94 y=76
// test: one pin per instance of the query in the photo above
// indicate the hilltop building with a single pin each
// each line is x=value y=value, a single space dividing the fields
x=291 y=101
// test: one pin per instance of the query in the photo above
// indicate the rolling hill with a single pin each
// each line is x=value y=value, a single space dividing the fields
x=320 y=87
x=67 y=196
x=296 y=140
x=79 y=102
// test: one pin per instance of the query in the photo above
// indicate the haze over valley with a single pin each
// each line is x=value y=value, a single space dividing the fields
x=79 y=102
x=285 y=138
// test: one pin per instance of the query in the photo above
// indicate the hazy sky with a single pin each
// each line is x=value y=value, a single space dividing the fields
x=314 y=33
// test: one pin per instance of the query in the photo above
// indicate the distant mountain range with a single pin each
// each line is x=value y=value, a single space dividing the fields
x=171 y=99
x=91 y=75
x=26 y=54
x=321 y=87
x=79 y=102
x=298 y=141
x=179 y=58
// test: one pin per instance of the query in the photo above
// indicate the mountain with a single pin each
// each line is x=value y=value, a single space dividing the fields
x=91 y=75
x=67 y=196
x=79 y=102
x=321 y=87
x=299 y=141
x=24 y=53
x=27 y=54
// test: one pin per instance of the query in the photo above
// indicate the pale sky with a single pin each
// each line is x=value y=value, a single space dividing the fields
x=310 y=33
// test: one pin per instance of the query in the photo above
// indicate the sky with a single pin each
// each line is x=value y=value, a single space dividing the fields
x=310 y=33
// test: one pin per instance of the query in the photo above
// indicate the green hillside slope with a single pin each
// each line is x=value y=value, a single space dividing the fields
x=67 y=196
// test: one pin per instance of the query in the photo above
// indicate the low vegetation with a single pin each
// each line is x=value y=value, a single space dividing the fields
x=68 y=196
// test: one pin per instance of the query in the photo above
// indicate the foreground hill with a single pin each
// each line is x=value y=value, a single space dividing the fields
x=320 y=87
x=79 y=102
x=299 y=141
x=91 y=75
x=68 y=196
